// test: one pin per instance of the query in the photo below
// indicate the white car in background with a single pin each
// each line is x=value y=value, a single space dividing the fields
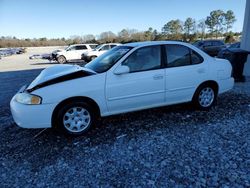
x=99 y=50
x=72 y=52
x=129 y=77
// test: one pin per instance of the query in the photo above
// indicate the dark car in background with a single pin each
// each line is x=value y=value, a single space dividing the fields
x=211 y=47
x=225 y=50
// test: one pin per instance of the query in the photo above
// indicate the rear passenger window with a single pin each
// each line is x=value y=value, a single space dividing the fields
x=207 y=43
x=83 y=47
x=178 y=55
x=195 y=58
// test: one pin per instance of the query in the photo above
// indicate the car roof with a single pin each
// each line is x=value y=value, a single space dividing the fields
x=82 y=44
x=148 y=43
x=212 y=40
x=111 y=43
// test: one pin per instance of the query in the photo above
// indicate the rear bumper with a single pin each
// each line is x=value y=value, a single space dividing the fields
x=226 y=85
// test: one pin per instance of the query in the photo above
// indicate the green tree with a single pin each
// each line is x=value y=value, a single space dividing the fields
x=149 y=34
x=173 y=29
x=229 y=19
x=124 y=35
x=215 y=22
x=202 y=28
x=88 y=38
x=107 y=36
x=189 y=27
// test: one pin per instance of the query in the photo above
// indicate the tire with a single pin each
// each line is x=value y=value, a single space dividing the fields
x=205 y=97
x=75 y=118
x=61 y=59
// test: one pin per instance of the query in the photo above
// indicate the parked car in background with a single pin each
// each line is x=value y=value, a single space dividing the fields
x=72 y=52
x=211 y=47
x=127 y=78
x=41 y=56
x=11 y=51
x=223 y=51
x=99 y=50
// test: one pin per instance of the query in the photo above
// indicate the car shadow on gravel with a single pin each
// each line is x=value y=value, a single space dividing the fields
x=43 y=148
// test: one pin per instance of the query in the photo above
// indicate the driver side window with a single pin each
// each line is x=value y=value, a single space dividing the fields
x=143 y=59
x=72 y=48
x=105 y=47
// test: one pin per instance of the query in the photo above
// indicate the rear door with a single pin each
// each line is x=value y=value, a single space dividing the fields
x=80 y=50
x=185 y=70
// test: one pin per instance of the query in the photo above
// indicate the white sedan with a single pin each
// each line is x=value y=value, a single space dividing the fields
x=129 y=77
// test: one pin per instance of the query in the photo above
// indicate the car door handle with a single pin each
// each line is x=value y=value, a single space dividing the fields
x=158 y=77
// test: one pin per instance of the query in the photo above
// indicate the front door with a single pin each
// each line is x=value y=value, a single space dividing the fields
x=142 y=87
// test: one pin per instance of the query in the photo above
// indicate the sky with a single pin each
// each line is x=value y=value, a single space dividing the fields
x=64 y=18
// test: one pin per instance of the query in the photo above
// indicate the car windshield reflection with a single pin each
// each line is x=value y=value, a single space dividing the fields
x=108 y=59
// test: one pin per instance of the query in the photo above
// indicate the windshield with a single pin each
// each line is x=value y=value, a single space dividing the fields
x=67 y=48
x=235 y=45
x=98 y=47
x=108 y=59
x=93 y=46
x=198 y=43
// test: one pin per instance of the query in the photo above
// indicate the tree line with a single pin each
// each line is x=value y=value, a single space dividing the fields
x=217 y=24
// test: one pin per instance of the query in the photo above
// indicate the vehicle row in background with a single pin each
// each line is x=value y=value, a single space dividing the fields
x=237 y=58
x=99 y=50
x=41 y=56
x=86 y=52
x=11 y=51
x=72 y=52
x=211 y=47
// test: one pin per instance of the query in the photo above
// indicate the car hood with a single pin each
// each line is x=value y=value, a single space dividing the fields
x=57 y=74
x=91 y=52
x=58 y=51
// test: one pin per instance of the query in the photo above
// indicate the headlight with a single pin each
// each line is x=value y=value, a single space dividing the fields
x=26 y=98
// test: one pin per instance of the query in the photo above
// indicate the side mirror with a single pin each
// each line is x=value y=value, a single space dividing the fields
x=122 y=69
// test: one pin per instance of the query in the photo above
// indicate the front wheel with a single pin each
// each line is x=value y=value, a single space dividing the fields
x=75 y=118
x=61 y=59
x=205 y=97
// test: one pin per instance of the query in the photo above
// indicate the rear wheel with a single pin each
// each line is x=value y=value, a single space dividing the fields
x=205 y=97
x=75 y=118
x=61 y=59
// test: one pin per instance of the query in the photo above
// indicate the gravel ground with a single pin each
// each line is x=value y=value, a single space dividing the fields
x=163 y=147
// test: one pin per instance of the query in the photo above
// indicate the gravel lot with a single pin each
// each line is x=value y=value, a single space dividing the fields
x=163 y=147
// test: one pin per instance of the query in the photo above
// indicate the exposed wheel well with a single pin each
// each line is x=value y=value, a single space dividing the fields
x=211 y=83
x=88 y=100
